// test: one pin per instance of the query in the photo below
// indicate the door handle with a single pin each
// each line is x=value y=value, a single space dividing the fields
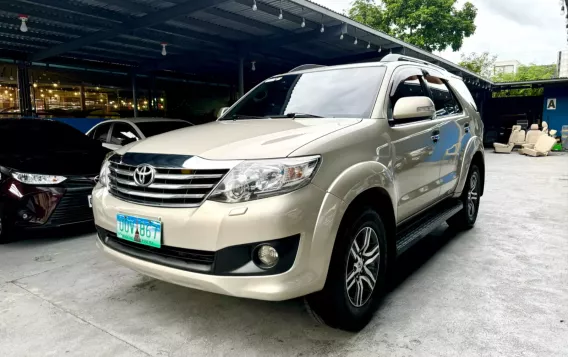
x=466 y=127
x=435 y=136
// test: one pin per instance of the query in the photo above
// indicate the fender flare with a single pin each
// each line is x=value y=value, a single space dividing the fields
x=474 y=145
x=361 y=177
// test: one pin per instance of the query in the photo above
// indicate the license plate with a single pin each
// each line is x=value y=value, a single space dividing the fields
x=90 y=200
x=139 y=230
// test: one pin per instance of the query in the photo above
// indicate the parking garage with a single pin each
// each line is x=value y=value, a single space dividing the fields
x=498 y=288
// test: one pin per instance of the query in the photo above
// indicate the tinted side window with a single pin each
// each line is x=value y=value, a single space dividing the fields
x=100 y=133
x=122 y=134
x=461 y=88
x=410 y=87
x=444 y=101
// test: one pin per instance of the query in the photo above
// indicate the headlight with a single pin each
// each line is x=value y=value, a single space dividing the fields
x=251 y=180
x=37 y=179
x=104 y=174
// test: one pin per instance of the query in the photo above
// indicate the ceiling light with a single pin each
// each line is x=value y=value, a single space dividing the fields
x=281 y=15
x=341 y=36
x=322 y=30
x=303 y=22
x=380 y=49
x=254 y=7
x=356 y=41
x=368 y=44
x=164 y=48
x=23 y=26
x=253 y=66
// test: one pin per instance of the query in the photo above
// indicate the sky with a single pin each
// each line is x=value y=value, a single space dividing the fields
x=530 y=31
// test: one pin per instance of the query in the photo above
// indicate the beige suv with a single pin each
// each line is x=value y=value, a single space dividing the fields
x=312 y=184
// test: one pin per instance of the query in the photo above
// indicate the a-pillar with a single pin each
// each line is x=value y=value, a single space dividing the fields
x=24 y=90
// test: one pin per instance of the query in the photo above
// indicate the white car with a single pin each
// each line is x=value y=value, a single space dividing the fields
x=115 y=133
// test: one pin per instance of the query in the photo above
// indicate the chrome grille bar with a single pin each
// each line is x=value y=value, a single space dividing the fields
x=173 y=186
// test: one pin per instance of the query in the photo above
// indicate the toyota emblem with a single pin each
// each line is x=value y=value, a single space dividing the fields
x=144 y=175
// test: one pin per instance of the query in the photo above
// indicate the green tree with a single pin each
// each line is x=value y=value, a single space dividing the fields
x=481 y=64
x=430 y=24
x=532 y=72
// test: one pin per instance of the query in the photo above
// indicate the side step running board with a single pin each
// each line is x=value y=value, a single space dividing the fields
x=425 y=224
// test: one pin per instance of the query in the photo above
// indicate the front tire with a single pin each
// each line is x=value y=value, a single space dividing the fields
x=465 y=219
x=357 y=274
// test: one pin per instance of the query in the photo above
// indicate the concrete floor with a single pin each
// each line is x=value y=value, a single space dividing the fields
x=500 y=289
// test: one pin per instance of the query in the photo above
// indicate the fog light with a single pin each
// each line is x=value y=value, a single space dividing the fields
x=268 y=256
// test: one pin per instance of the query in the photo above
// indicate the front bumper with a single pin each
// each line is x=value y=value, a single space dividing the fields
x=309 y=213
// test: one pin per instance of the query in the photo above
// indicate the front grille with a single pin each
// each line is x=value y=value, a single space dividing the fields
x=73 y=207
x=172 y=187
x=179 y=258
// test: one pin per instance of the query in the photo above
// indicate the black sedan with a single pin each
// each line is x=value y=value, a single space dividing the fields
x=47 y=172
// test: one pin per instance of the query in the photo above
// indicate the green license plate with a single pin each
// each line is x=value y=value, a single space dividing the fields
x=139 y=230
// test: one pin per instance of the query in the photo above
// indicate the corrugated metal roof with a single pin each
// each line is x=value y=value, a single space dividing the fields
x=200 y=33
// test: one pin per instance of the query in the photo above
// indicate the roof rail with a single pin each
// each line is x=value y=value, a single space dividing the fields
x=397 y=58
x=304 y=67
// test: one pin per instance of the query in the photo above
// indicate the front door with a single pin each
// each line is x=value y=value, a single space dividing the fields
x=417 y=163
x=453 y=126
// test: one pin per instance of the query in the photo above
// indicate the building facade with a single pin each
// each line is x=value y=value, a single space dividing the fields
x=510 y=67
x=562 y=64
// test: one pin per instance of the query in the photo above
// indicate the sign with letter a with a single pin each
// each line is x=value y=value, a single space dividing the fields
x=551 y=104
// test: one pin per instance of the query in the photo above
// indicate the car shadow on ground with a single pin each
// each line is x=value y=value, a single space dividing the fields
x=221 y=318
x=35 y=237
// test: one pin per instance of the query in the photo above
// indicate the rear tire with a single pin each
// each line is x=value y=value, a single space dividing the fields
x=465 y=219
x=357 y=274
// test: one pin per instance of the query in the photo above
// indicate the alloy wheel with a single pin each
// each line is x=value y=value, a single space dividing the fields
x=362 y=266
x=472 y=195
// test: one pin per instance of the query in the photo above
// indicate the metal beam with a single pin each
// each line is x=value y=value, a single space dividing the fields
x=245 y=20
x=271 y=42
x=144 y=21
x=275 y=11
x=78 y=9
x=54 y=15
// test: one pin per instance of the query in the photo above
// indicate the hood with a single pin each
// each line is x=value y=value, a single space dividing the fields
x=241 y=139
x=65 y=163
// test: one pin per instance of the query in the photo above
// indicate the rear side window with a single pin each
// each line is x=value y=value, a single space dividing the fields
x=461 y=88
x=444 y=101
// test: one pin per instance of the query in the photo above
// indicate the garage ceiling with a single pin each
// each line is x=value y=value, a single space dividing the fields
x=202 y=36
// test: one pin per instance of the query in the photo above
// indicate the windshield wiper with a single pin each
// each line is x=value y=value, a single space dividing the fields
x=296 y=115
x=240 y=116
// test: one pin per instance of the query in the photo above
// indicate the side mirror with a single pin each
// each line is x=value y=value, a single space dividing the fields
x=413 y=108
x=222 y=111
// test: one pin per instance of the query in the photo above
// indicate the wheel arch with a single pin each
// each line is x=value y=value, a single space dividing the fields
x=474 y=152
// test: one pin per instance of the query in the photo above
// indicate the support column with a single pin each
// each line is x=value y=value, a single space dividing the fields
x=241 y=77
x=134 y=95
x=83 y=106
x=24 y=90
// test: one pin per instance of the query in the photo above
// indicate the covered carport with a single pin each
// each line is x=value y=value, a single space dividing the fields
x=234 y=42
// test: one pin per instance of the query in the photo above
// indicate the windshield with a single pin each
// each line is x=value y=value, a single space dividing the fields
x=335 y=93
x=152 y=128
x=24 y=135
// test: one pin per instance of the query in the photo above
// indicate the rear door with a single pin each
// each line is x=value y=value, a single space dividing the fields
x=453 y=125
x=416 y=167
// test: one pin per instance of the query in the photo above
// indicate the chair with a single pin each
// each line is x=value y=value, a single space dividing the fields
x=520 y=135
x=541 y=148
x=507 y=148
x=532 y=136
